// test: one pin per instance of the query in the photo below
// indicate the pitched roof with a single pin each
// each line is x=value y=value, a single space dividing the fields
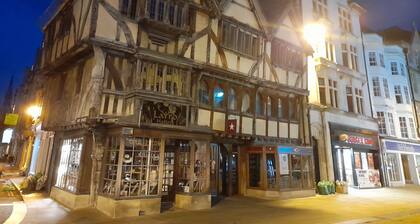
x=396 y=34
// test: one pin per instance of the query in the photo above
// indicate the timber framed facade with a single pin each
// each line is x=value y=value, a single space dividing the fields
x=160 y=103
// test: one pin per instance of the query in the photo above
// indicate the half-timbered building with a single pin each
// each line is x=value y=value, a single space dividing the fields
x=161 y=103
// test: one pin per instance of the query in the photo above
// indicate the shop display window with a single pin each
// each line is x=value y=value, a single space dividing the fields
x=271 y=170
x=295 y=171
x=200 y=168
x=254 y=167
x=111 y=165
x=140 y=161
x=371 y=164
x=168 y=172
x=184 y=165
x=69 y=166
x=393 y=167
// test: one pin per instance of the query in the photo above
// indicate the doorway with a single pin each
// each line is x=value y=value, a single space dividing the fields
x=173 y=173
x=223 y=171
x=406 y=169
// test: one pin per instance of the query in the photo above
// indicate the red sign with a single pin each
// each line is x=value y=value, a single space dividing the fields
x=231 y=127
x=358 y=140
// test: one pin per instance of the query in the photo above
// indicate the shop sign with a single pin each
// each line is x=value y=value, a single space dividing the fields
x=357 y=140
x=368 y=178
x=400 y=146
x=11 y=119
x=284 y=164
x=127 y=131
x=164 y=113
x=294 y=150
x=231 y=126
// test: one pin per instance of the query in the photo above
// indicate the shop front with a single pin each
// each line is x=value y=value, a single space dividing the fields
x=356 y=156
x=402 y=162
x=279 y=171
x=147 y=171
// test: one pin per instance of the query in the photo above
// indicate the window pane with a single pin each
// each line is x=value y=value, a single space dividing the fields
x=271 y=170
x=232 y=99
x=218 y=97
x=254 y=170
x=245 y=104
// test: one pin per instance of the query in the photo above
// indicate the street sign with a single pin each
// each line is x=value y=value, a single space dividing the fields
x=11 y=119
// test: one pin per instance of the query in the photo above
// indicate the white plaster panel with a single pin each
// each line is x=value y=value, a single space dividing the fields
x=246 y=125
x=294 y=131
x=204 y=117
x=260 y=127
x=219 y=121
x=272 y=128
x=283 y=130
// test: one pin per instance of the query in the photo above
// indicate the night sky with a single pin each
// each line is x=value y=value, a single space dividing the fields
x=21 y=25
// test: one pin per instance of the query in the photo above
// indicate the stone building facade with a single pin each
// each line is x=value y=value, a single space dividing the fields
x=160 y=103
x=344 y=132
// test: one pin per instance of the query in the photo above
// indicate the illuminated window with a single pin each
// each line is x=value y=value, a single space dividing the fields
x=218 y=97
x=330 y=51
x=69 y=165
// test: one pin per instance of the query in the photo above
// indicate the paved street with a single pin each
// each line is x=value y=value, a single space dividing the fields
x=385 y=205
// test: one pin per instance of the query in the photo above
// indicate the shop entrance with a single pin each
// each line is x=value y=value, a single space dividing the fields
x=223 y=171
x=406 y=169
x=174 y=172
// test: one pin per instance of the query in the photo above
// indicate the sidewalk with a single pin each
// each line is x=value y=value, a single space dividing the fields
x=386 y=205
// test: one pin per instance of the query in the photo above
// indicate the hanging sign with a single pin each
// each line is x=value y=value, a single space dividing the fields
x=11 y=119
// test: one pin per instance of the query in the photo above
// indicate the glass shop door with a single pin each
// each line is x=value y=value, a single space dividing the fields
x=344 y=158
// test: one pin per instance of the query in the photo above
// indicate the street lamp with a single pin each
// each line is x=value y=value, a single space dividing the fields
x=34 y=111
x=314 y=34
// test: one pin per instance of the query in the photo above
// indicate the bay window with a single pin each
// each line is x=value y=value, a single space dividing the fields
x=69 y=164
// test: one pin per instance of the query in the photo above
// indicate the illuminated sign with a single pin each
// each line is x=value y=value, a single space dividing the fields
x=400 y=146
x=357 y=140
x=7 y=135
x=11 y=119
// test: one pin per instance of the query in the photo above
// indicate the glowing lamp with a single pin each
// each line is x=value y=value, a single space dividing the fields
x=314 y=34
x=34 y=111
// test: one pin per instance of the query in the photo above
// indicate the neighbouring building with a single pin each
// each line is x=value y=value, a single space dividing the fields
x=160 y=103
x=403 y=149
x=345 y=135
x=30 y=145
